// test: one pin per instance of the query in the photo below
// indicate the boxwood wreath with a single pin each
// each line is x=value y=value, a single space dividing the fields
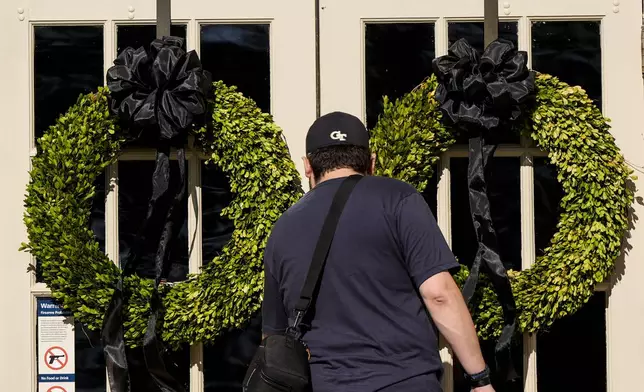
x=247 y=146
x=239 y=139
x=410 y=137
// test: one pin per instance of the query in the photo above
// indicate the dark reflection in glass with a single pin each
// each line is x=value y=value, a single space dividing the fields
x=504 y=191
x=570 y=50
x=239 y=55
x=96 y=222
x=215 y=196
x=575 y=344
x=498 y=380
x=135 y=36
x=89 y=361
x=135 y=188
x=398 y=56
x=59 y=78
x=547 y=195
x=473 y=32
x=177 y=363
x=226 y=361
x=431 y=191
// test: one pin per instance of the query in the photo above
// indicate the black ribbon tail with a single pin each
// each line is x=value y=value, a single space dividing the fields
x=152 y=347
x=112 y=334
x=487 y=256
x=114 y=343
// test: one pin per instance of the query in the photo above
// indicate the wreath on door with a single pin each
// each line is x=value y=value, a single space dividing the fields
x=235 y=136
x=471 y=91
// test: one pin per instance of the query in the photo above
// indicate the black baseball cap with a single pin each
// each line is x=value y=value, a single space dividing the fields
x=336 y=129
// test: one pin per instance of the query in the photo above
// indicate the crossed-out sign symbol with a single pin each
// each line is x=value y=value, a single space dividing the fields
x=56 y=359
x=56 y=389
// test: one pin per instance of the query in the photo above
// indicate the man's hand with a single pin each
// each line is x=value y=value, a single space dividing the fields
x=487 y=388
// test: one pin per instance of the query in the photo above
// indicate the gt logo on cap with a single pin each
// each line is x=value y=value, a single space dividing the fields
x=337 y=135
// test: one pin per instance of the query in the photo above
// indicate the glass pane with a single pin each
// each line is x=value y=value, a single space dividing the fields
x=498 y=381
x=90 y=362
x=97 y=219
x=177 y=363
x=225 y=362
x=570 y=50
x=473 y=32
x=239 y=55
x=215 y=196
x=135 y=188
x=575 y=345
x=88 y=358
x=58 y=77
x=398 y=57
x=504 y=191
x=136 y=36
x=547 y=195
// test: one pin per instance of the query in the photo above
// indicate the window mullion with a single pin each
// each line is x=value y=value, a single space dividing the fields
x=112 y=213
x=195 y=254
x=527 y=259
x=111 y=224
x=444 y=219
x=441 y=39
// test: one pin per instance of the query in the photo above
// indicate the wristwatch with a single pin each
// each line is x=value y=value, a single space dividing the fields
x=480 y=379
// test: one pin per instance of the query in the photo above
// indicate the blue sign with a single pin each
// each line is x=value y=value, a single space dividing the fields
x=47 y=307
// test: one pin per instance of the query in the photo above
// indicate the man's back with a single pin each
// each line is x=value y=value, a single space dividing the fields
x=370 y=329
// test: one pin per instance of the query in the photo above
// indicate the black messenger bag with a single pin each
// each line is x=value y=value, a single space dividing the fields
x=281 y=363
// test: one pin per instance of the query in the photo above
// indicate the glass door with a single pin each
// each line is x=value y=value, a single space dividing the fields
x=374 y=48
x=61 y=50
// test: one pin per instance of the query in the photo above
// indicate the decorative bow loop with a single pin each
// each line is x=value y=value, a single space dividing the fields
x=161 y=87
x=487 y=91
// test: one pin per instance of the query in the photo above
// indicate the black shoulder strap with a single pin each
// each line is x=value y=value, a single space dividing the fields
x=307 y=296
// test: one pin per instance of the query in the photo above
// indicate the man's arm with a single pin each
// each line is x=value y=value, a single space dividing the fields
x=429 y=259
x=445 y=303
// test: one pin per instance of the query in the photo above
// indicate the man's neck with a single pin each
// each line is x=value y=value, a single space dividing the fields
x=339 y=173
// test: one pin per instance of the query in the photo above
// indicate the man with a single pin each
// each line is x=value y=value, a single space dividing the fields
x=388 y=265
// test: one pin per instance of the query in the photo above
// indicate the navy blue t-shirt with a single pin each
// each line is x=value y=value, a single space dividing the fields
x=371 y=330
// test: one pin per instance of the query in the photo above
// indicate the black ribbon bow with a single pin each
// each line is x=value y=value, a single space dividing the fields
x=483 y=96
x=160 y=90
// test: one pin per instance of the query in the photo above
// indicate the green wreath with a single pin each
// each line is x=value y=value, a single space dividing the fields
x=410 y=137
x=239 y=139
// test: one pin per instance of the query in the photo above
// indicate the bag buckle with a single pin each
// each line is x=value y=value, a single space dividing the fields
x=294 y=329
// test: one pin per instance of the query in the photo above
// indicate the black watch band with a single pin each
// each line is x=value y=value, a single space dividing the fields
x=480 y=379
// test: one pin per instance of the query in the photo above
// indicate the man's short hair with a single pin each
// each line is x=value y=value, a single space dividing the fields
x=326 y=159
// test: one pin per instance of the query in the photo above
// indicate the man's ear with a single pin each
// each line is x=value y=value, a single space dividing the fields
x=373 y=163
x=308 y=170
